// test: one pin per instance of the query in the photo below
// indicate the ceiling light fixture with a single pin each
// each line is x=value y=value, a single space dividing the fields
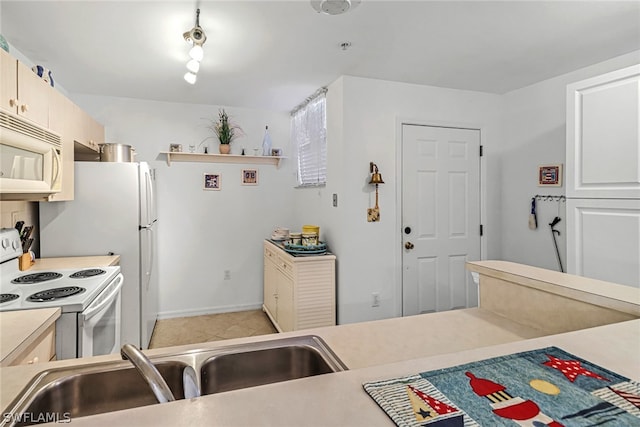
x=196 y=38
x=334 y=7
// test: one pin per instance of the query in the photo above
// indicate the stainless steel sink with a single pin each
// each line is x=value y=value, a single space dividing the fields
x=68 y=393
x=232 y=371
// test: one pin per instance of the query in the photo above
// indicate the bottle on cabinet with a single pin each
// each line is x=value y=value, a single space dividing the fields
x=266 y=142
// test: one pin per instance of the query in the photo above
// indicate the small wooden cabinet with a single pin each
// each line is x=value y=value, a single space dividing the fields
x=299 y=292
x=22 y=92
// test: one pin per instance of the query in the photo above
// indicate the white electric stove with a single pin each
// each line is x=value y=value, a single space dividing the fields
x=88 y=298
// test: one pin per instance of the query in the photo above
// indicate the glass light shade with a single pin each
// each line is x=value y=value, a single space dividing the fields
x=190 y=78
x=196 y=53
x=193 y=66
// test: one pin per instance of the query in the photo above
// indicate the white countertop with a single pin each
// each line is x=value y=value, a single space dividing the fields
x=19 y=329
x=74 y=262
x=606 y=294
x=339 y=399
x=374 y=350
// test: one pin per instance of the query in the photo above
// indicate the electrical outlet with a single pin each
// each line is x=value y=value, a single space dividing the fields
x=14 y=218
x=375 y=299
x=227 y=275
x=335 y=200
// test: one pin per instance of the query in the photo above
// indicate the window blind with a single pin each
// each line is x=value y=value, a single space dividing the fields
x=309 y=136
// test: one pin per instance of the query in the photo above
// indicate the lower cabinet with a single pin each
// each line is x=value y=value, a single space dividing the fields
x=43 y=349
x=299 y=292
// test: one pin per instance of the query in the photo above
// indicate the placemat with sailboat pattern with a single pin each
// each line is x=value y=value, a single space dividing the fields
x=544 y=387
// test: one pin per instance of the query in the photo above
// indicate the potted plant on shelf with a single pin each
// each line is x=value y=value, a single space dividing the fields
x=226 y=131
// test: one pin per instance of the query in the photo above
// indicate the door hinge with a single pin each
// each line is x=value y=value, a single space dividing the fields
x=481 y=151
x=481 y=229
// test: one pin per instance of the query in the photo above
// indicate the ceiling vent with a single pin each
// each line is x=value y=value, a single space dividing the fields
x=334 y=7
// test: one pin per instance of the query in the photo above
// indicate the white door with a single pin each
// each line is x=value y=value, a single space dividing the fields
x=603 y=239
x=440 y=217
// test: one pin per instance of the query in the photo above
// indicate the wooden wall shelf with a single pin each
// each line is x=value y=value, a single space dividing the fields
x=221 y=158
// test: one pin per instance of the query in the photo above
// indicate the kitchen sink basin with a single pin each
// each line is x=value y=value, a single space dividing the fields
x=67 y=393
x=232 y=371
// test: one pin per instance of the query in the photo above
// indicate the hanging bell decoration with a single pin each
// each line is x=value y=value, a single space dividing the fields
x=376 y=177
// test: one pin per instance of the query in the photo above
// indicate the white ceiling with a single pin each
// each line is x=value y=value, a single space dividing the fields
x=272 y=54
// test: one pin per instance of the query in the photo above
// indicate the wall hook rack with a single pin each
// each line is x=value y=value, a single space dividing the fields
x=550 y=198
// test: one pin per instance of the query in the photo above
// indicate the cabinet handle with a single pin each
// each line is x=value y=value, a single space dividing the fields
x=12 y=102
x=32 y=361
x=24 y=108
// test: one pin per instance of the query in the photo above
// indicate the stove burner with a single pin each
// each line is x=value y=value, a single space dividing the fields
x=8 y=297
x=55 y=294
x=29 y=279
x=87 y=273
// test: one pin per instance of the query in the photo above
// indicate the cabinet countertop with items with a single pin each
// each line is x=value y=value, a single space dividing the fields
x=75 y=262
x=299 y=291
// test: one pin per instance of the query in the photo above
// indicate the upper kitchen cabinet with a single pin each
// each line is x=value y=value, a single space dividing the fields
x=63 y=119
x=90 y=135
x=603 y=140
x=22 y=91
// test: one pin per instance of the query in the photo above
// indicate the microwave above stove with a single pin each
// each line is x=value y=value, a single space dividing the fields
x=30 y=159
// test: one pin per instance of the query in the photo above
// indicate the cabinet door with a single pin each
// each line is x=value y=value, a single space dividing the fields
x=270 y=287
x=603 y=239
x=93 y=132
x=603 y=140
x=285 y=314
x=61 y=120
x=8 y=82
x=33 y=96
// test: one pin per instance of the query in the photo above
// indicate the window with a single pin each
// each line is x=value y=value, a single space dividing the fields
x=309 y=136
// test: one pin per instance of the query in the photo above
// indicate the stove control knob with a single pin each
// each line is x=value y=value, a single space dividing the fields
x=5 y=243
x=16 y=244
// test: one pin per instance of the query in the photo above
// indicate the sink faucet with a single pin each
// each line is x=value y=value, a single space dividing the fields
x=149 y=372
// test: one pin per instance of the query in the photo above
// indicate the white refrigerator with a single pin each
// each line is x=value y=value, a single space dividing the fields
x=113 y=212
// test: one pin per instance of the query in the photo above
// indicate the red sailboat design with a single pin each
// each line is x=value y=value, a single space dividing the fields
x=436 y=412
x=523 y=412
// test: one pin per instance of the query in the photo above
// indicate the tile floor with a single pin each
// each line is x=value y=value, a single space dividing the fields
x=211 y=327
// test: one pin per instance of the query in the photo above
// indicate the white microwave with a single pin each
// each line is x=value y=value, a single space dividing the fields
x=30 y=158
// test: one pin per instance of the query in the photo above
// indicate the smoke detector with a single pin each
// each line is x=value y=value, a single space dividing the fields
x=334 y=7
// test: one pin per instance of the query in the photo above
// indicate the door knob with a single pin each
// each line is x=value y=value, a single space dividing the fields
x=408 y=245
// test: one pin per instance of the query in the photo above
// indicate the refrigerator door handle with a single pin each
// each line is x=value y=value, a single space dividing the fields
x=151 y=254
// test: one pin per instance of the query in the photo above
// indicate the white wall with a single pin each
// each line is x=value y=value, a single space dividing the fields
x=534 y=134
x=203 y=233
x=215 y=231
x=362 y=120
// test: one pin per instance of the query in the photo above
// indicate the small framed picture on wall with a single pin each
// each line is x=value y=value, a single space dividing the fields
x=211 y=181
x=550 y=175
x=249 y=177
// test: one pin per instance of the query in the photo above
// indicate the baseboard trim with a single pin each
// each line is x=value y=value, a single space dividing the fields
x=208 y=310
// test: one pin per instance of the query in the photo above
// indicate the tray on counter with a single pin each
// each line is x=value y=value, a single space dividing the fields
x=319 y=249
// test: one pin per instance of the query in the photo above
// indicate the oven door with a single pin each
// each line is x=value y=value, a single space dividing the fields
x=99 y=324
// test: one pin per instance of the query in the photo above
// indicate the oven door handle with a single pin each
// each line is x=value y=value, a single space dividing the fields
x=106 y=301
